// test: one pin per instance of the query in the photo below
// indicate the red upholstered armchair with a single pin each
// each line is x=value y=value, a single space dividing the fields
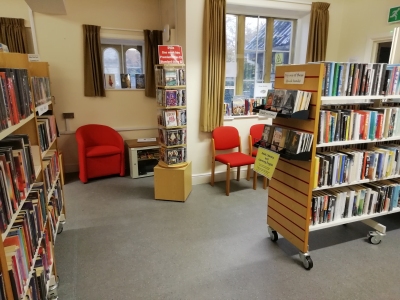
x=255 y=136
x=100 y=151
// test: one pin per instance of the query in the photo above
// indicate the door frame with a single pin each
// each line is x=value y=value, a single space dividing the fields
x=372 y=46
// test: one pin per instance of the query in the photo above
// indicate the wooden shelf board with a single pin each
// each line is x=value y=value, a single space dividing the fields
x=175 y=166
x=11 y=129
x=344 y=143
x=4 y=235
x=171 y=107
x=53 y=186
x=171 y=87
x=32 y=268
x=170 y=65
x=172 y=127
x=51 y=145
x=354 y=183
x=48 y=102
x=175 y=146
x=38 y=169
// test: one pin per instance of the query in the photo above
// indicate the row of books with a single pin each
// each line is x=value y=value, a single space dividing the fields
x=55 y=208
x=51 y=168
x=41 y=90
x=170 y=76
x=171 y=118
x=128 y=81
x=360 y=79
x=288 y=101
x=47 y=129
x=17 y=174
x=352 y=165
x=292 y=141
x=353 y=125
x=173 y=156
x=148 y=154
x=168 y=98
x=241 y=106
x=16 y=101
x=172 y=137
x=356 y=200
x=24 y=239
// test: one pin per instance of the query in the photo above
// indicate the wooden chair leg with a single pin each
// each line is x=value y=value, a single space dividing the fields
x=228 y=179
x=254 y=180
x=265 y=183
x=238 y=174
x=248 y=172
x=212 y=172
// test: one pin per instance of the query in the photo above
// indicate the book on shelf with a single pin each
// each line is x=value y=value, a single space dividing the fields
x=41 y=89
x=140 y=81
x=109 y=80
x=172 y=137
x=168 y=98
x=125 y=81
x=278 y=139
x=170 y=76
x=173 y=156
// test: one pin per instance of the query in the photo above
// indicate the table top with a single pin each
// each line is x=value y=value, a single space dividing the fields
x=135 y=144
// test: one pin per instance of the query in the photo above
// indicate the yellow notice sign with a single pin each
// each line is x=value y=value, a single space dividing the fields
x=266 y=162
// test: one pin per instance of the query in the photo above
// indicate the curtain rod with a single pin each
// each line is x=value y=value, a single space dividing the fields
x=122 y=29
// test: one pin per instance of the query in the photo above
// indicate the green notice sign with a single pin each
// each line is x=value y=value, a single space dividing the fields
x=394 y=14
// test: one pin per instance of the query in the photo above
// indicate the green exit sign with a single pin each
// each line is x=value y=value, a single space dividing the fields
x=394 y=14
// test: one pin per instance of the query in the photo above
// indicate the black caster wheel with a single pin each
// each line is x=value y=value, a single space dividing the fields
x=308 y=263
x=374 y=240
x=273 y=234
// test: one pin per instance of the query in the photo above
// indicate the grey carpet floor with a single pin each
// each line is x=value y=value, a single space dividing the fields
x=120 y=244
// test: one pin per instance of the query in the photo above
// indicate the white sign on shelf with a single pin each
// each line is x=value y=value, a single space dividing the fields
x=261 y=89
x=294 y=77
x=33 y=57
x=267 y=113
x=42 y=109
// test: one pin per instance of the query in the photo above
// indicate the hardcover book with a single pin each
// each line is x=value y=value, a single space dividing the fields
x=109 y=80
x=125 y=81
x=140 y=81
x=170 y=118
x=171 y=98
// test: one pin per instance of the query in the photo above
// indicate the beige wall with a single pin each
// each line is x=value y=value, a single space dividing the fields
x=60 y=43
x=15 y=9
x=363 y=20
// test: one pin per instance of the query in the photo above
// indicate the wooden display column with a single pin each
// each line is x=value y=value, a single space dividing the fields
x=173 y=183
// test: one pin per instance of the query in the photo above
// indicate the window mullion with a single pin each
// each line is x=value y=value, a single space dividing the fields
x=268 y=48
x=240 y=54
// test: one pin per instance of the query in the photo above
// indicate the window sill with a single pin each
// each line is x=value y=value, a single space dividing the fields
x=124 y=89
x=231 y=118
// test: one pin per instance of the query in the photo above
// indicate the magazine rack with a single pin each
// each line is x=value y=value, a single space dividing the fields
x=172 y=175
x=301 y=114
x=285 y=153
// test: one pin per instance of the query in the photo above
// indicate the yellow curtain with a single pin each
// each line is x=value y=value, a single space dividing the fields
x=213 y=73
x=12 y=34
x=318 y=32
x=93 y=65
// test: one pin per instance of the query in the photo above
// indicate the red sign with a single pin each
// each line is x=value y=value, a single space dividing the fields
x=170 y=54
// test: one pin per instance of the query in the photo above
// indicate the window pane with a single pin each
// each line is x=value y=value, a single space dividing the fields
x=231 y=33
x=111 y=64
x=133 y=61
x=282 y=35
x=260 y=66
x=230 y=81
x=229 y=93
x=262 y=24
x=250 y=34
x=248 y=89
x=278 y=58
x=249 y=64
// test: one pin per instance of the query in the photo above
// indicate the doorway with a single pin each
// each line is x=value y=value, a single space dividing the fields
x=383 y=52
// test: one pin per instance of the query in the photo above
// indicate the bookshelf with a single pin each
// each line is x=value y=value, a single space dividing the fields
x=172 y=134
x=291 y=189
x=33 y=206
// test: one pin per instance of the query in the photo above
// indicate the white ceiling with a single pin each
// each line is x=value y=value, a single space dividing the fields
x=54 y=7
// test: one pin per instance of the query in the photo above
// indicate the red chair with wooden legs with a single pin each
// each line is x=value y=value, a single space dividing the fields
x=227 y=138
x=254 y=137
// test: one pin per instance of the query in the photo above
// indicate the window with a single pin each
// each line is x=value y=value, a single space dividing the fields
x=123 y=59
x=255 y=45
